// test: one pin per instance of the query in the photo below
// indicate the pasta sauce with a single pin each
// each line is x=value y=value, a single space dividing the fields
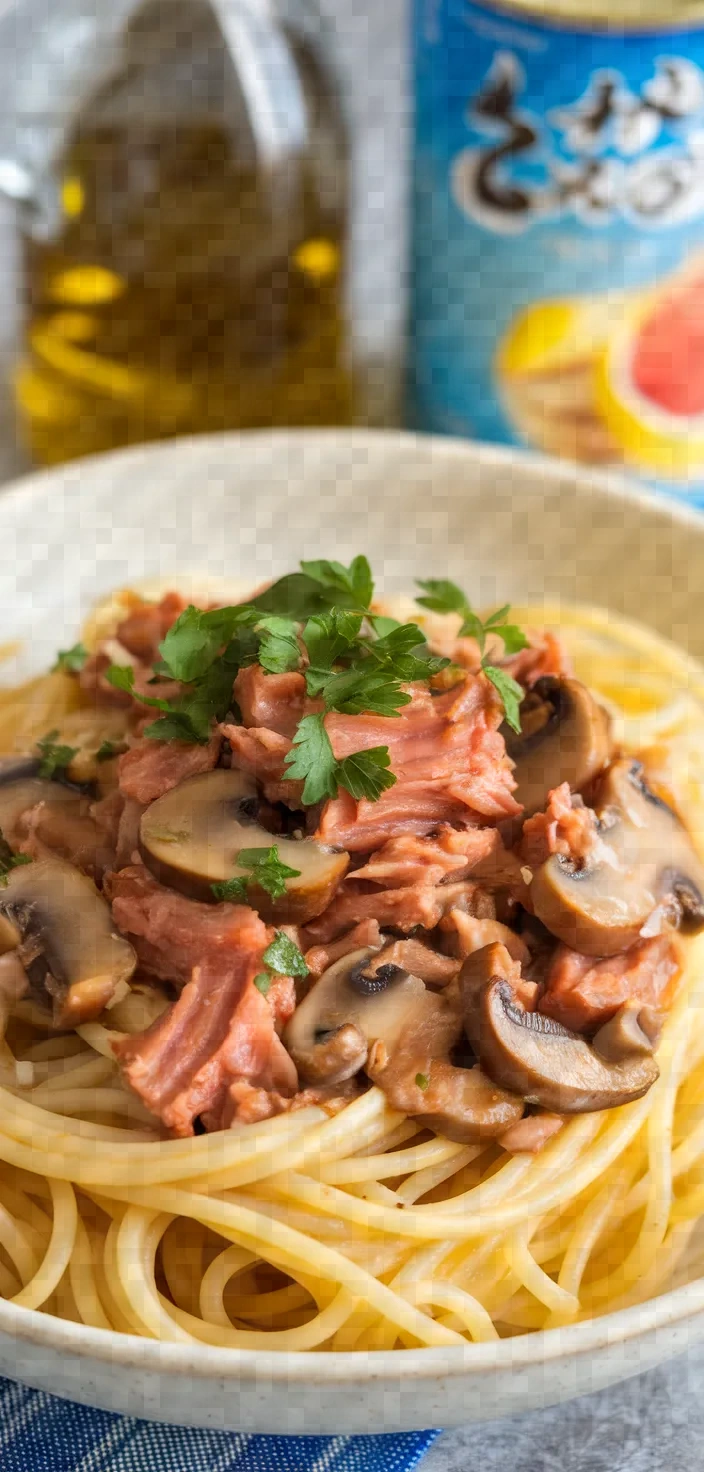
x=559 y=231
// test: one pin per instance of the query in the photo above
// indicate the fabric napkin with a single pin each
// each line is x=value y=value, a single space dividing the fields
x=40 y=1433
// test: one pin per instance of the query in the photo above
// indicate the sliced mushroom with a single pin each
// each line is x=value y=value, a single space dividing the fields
x=536 y=1057
x=369 y=1014
x=351 y=1006
x=63 y=933
x=21 y=788
x=642 y=861
x=565 y=737
x=191 y=839
x=61 y=816
x=633 y=1031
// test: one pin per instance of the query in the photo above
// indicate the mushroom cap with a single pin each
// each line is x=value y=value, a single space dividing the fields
x=643 y=858
x=21 y=788
x=63 y=932
x=318 y=1037
x=565 y=737
x=191 y=838
x=535 y=1056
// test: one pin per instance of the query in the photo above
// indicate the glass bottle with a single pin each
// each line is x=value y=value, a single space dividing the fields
x=184 y=253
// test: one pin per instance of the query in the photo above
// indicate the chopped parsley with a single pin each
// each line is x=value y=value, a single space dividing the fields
x=70 y=661
x=55 y=757
x=283 y=957
x=266 y=871
x=422 y=1082
x=312 y=761
x=355 y=662
x=279 y=650
x=263 y=983
x=108 y=749
x=441 y=596
x=186 y=720
x=9 y=860
x=318 y=587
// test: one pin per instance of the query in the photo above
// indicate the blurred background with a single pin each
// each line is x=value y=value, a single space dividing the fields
x=363 y=50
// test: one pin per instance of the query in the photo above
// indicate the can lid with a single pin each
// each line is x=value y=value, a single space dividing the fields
x=618 y=15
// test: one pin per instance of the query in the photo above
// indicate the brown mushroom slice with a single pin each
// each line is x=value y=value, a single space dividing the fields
x=368 y=1014
x=349 y=1008
x=633 y=1031
x=565 y=737
x=191 y=839
x=63 y=932
x=419 y=1079
x=536 y=1057
x=642 y=861
x=21 y=788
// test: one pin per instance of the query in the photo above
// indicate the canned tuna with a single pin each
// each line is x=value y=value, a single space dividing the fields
x=558 y=272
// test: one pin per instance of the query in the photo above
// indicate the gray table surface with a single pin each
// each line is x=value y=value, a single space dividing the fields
x=655 y=1421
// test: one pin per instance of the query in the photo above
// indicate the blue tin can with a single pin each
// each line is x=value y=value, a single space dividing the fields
x=558 y=244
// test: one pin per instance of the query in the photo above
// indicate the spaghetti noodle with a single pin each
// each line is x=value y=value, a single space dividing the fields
x=358 y=1231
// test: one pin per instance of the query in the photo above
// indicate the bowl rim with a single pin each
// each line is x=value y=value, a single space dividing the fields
x=666 y=1310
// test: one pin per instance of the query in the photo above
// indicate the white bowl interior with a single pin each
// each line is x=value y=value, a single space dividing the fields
x=240 y=509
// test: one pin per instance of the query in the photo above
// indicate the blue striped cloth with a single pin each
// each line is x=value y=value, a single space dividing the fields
x=40 y=1433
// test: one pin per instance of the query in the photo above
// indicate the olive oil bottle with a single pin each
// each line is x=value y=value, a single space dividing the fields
x=188 y=273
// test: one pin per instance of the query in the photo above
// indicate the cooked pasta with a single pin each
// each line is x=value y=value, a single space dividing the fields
x=364 y=1230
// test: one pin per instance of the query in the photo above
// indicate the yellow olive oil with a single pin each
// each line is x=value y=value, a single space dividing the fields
x=192 y=275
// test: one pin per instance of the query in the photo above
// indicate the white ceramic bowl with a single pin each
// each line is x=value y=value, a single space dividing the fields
x=503 y=525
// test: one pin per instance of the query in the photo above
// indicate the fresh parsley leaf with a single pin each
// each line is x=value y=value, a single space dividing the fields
x=383 y=625
x=71 y=661
x=233 y=890
x=283 y=957
x=354 y=582
x=327 y=637
x=108 y=750
x=422 y=1082
x=311 y=760
x=359 y=690
x=295 y=596
x=442 y=596
x=320 y=586
x=279 y=649
x=179 y=725
x=188 y=720
x=195 y=640
x=366 y=773
x=510 y=692
x=263 y=983
x=445 y=597
x=268 y=871
x=121 y=677
x=404 y=652
x=9 y=860
x=55 y=758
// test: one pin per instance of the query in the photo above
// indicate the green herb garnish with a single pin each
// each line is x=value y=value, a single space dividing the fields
x=422 y=1081
x=268 y=872
x=318 y=587
x=279 y=649
x=9 y=860
x=55 y=758
x=283 y=957
x=70 y=661
x=108 y=750
x=442 y=596
x=312 y=761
